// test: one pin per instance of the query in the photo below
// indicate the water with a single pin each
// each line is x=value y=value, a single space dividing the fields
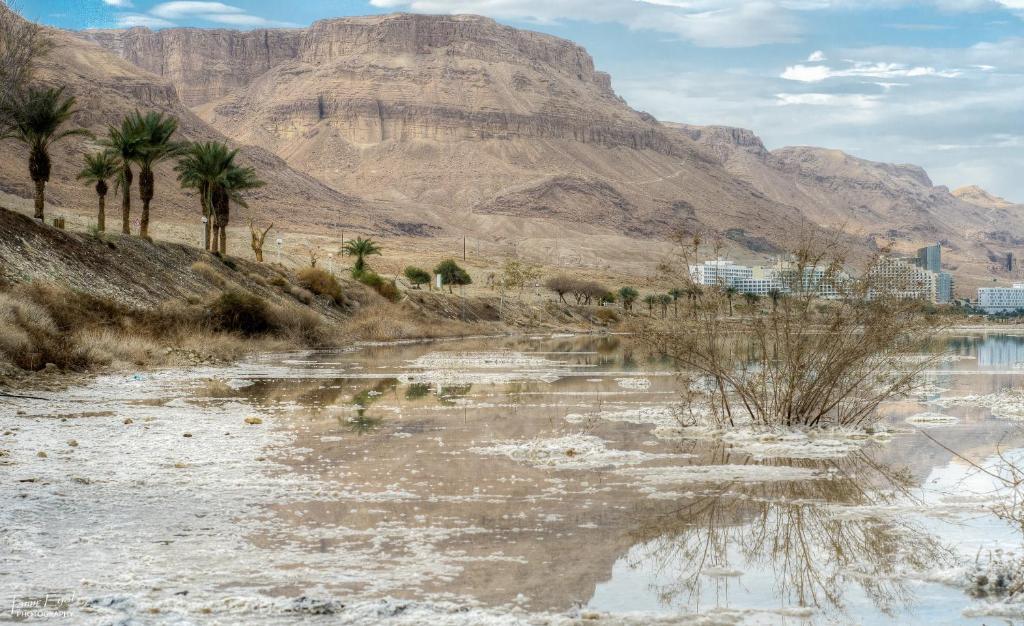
x=521 y=480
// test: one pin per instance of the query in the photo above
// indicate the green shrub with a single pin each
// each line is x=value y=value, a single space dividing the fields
x=242 y=313
x=417 y=276
x=452 y=274
x=385 y=288
x=320 y=282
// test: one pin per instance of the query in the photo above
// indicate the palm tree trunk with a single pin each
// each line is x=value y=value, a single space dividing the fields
x=146 y=193
x=40 y=199
x=207 y=228
x=144 y=220
x=223 y=240
x=101 y=214
x=126 y=201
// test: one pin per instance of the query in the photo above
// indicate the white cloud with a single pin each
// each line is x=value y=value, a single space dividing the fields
x=818 y=73
x=184 y=9
x=856 y=100
x=710 y=23
x=121 y=4
x=817 y=57
x=147 y=21
x=169 y=14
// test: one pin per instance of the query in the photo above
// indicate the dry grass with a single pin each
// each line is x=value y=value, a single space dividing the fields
x=207 y=271
x=44 y=324
x=385 y=322
x=320 y=282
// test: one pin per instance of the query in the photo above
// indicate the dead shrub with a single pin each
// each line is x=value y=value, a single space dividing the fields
x=302 y=295
x=301 y=324
x=243 y=313
x=209 y=273
x=805 y=361
x=320 y=282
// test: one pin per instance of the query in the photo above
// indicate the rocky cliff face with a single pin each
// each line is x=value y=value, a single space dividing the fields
x=202 y=65
x=449 y=114
x=404 y=76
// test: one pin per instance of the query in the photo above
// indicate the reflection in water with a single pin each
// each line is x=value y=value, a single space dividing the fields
x=803 y=535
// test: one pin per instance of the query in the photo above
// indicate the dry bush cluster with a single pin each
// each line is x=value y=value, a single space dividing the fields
x=45 y=324
x=583 y=291
x=803 y=360
x=320 y=282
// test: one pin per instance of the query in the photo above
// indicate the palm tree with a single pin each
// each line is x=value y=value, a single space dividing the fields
x=125 y=143
x=202 y=168
x=227 y=189
x=99 y=168
x=360 y=248
x=730 y=293
x=35 y=119
x=155 y=131
x=628 y=296
x=675 y=294
x=650 y=300
x=664 y=300
x=752 y=300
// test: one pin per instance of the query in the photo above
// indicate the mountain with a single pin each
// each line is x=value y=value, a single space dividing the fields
x=456 y=119
x=979 y=197
x=888 y=204
x=439 y=126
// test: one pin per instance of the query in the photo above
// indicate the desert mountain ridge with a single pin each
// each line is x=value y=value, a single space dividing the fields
x=977 y=196
x=440 y=125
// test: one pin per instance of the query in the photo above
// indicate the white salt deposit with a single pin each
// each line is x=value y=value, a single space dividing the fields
x=1007 y=403
x=634 y=383
x=684 y=474
x=575 y=451
x=932 y=419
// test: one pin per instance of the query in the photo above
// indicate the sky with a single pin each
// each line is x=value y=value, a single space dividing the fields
x=936 y=83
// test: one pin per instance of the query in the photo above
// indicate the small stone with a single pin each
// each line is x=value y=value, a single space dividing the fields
x=180 y=465
x=73 y=443
x=50 y=367
x=186 y=435
x=252 y=421
x=41 y=454
x=128 y=420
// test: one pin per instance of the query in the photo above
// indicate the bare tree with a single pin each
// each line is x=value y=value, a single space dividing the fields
x=828 y=354
x=22 y=44
x=258 y=237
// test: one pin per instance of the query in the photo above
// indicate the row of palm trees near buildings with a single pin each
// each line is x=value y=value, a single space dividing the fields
x=39 y=118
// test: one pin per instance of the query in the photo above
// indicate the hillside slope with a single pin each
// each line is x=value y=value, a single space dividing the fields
x=107 y=88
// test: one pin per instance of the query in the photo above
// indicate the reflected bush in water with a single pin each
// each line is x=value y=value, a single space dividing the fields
x=801 y=533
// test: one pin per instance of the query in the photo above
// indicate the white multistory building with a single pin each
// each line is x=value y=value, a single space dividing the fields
x=1001 y=299
x=720 y=273
x=762 y=280
x=910 y=278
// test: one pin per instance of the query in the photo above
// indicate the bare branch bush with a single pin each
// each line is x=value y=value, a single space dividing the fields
x=22 y=44
x=830 y=349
